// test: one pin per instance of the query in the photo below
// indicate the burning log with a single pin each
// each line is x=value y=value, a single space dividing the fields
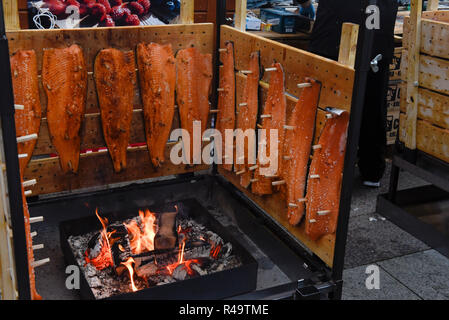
x=166 y=236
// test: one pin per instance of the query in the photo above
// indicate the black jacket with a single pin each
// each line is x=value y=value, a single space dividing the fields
x=331 y=14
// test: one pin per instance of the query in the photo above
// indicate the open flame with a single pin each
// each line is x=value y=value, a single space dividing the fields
x=142 y=233
x=104 y=258
x=128 y=265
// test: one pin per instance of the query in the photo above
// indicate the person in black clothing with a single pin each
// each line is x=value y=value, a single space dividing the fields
x=330 y=16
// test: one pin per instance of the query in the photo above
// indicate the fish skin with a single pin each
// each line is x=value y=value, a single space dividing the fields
x=157 y=75
x=297 y=146
x=276 y=106
x=324 y=193
x=226 y=99
x=115 y=79
x=247 y=115
x=64 y=77
x=26 y=92
x=193 y=83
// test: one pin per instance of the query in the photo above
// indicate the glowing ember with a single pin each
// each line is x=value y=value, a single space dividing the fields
x=104 y=258
x=128 y=265
x=142 y=234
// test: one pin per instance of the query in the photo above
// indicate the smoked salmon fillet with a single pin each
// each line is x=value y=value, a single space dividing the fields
x=64 y=77
x=247 y=117
x=325 y=177
x=273 y=118
x=115 y=79
x=226 y=103
x=297 y=148
x=157 y=74
x=26 y=93
x=29 y=244
x=193 y=86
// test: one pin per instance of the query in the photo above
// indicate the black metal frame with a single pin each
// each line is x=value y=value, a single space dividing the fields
x=397 y=205
x=12 y=166
x=329 y=281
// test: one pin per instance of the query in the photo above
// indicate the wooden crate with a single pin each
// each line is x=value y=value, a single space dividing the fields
x=424 y=121
x=337 y=85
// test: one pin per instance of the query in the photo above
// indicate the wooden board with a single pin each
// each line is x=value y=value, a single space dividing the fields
x=434 y=37
x=96 y=168
x=432 y=107
x=337 y=80
x=430 y=139
x=337 y=85
x=433 y=73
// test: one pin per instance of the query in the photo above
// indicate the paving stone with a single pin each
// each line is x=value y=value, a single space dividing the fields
x=426 y=273
x=372 y=238
x=354 y=287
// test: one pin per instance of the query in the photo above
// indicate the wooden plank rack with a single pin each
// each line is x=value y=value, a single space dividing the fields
x=423 y=146
x=337 y=79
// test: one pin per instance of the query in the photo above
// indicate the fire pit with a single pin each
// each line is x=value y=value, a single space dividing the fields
x=172 y=252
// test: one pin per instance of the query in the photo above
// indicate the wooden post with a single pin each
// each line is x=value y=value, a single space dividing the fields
x=348 y=44
x=413 y=74
x=187 y=13
x=240 y=15
x=11 y=14
x=432 y=5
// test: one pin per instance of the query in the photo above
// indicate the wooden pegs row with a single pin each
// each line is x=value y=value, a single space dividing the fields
x=304 y=85
x=29 y=137
x=39 y=263
x=36 y=219
x=19 y=107
x=29 y=183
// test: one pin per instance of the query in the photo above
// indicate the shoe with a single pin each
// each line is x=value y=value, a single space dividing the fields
x=371 y=184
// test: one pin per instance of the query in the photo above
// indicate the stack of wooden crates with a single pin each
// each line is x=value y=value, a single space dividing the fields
x=424 y=119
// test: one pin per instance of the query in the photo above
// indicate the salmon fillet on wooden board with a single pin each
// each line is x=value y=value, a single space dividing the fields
x=226 y=103
x=325 y=177
x=115 y=79
x=193 y=83
x=64 y=77
x=297 y=149
x=29 y=244
x=26 y=93
x=273 y=118
x=247 y=116
x=157 y=74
